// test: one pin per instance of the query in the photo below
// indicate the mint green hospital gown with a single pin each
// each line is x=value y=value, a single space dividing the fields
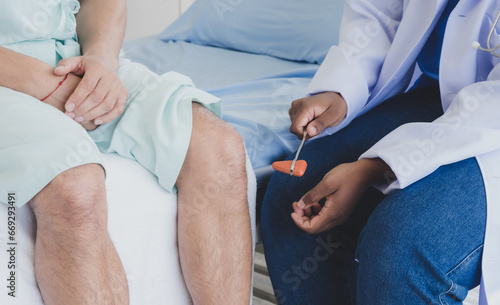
x=37 y=141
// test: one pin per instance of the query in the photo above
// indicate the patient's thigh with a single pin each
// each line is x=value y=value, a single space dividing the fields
x=38 y=143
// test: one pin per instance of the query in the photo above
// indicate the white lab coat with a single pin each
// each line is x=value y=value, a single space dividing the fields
x=375 y=59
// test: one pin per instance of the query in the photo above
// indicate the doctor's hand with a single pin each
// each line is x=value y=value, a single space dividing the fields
x=100 y=96
x=342 y=187
x=316 y=112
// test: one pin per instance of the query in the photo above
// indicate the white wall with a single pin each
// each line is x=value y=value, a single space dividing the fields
x=150 y=17
x=185 y=4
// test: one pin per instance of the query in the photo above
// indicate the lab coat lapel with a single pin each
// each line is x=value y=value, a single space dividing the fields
x=464 y=27
x=409 y=40
x=458 y=66
x=490 y=281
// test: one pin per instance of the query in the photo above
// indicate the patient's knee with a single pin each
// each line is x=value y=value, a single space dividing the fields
x=74 y=199
x=230 y=149
x=215 y=165
x=215 y=145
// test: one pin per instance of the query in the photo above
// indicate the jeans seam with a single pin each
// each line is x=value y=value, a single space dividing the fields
x=443 y=302
x=464 y=260
x=443 y=293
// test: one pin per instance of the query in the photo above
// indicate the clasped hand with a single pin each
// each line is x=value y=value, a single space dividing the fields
x=99 y=97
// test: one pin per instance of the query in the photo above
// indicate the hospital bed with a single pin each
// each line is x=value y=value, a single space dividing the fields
x=257 y=56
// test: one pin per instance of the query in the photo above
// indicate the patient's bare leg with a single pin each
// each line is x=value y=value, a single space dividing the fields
x=75 y=260
x=213 y=220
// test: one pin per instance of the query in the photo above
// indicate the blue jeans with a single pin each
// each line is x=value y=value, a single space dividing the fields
x=419 y=245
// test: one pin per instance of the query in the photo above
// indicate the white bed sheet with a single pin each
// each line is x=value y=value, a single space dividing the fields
x=142 y=225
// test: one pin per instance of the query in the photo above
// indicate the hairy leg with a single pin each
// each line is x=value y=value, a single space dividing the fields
x=215 y=243
x=75 y=259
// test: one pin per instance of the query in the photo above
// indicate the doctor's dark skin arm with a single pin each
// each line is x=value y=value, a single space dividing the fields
x=101 y=95
x=342 y=187
x=316 y=113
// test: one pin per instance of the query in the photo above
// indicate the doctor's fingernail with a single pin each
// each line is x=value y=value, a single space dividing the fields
x=59 y=68
x=301 y=204
x=70 y=107
x=98 y=122
x=314 y=130
x=79 y=119
x=70 y=114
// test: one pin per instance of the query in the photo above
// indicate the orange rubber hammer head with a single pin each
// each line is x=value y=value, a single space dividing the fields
x=284 y=167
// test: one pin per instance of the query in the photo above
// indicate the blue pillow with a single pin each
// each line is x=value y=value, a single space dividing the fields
x=300 y=30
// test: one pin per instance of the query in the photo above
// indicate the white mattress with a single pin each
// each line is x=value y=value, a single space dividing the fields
x=142 y=224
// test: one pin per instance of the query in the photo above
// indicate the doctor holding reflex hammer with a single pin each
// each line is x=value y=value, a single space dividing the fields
x=401 y=199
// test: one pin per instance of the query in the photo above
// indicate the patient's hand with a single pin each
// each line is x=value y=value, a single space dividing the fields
x=60 y=96
x=101 y=95
x=316 y=112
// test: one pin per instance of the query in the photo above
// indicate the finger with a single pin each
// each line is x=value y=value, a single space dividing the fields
x=94 y=102
x=301 y=217
x=315 y=208
x=314 y=224
x=302 y=222
x=330 y=117
x=308 y=211
x=299 y=117
x=297 y=210
x=326 y=218
x=324 y=188
x=88 y=125
x=293 y=107
x=87 y=86
x=70 y=65
x=106 y=105
x=116 y=112
x=312 y=210
x=100 y=109
x=310 y=225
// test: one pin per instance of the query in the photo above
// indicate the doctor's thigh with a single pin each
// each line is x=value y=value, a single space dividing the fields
x=423 y=244
x=317 y=269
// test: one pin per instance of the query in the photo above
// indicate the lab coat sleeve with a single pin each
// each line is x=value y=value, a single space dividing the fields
x=352 y=68
x=469 y=127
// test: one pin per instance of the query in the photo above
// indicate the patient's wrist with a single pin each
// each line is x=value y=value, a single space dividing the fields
x=106 y=55
x=58 y=85
x=59 y=97
x=40 y=80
